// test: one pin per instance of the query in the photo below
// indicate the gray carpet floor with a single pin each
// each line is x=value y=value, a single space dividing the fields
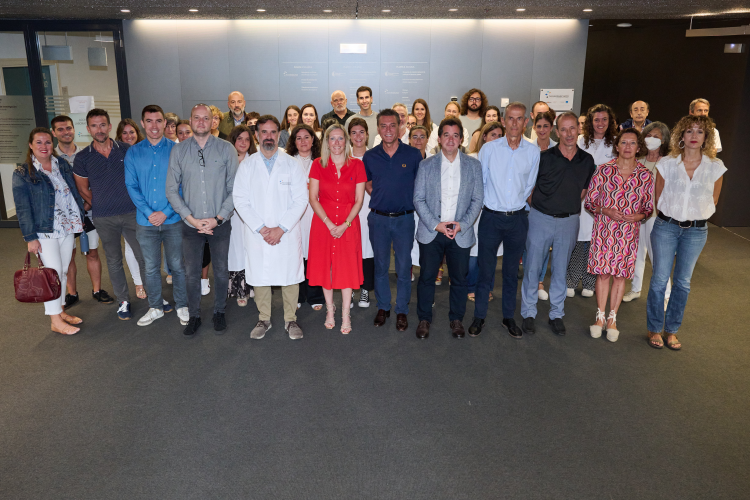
x=126 y=412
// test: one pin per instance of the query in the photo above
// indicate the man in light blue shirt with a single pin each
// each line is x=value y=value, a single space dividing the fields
x=509 y=169
x=146 y=167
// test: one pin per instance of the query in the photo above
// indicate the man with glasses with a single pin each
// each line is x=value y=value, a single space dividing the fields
x=236 y=115
x=340 y=112
x=473 y=106
x=199 y=188
x=364 y=101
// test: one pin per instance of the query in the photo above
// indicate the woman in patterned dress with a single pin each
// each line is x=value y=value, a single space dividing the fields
x=620 y=197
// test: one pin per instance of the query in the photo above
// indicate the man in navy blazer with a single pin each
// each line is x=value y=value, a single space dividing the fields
x=448 y=196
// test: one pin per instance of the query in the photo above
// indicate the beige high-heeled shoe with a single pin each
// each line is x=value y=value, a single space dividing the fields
x=330 y=316
x=346 y=317
x=596 y=330
x=612 y=333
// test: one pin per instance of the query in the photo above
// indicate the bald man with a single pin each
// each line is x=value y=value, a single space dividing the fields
x=340 y=112
x=236 y=115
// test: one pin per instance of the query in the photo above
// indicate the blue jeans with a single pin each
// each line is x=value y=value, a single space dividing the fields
x=471 y=286
x=400 y=232
x=544 y=266
x=672 y=244
x=511 y=232
x=151 y=238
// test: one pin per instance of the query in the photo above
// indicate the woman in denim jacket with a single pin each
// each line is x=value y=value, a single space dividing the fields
x=50 y=213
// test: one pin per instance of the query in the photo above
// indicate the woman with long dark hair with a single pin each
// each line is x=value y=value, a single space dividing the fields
x=291 y=119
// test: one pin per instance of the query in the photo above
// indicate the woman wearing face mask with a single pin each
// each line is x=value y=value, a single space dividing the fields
x=688 y=184
x=304 y=146
x=657 y=137
x=337 y=187
x=491 y=115
x=621 y=196
x=49 y=229
x=599 y=132
x=359 y=136
x=291 y=118
x=310 y=118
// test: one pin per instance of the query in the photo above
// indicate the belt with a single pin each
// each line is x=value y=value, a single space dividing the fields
x=560 y=216
x=684 y=225
x=393 y=214
x=514 y=212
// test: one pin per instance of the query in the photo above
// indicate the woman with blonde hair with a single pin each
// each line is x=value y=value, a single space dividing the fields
x=688 y=184
x=217 y=116
x=337 y=187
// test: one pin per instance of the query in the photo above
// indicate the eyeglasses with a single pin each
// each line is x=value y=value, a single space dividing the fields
x=475 y=99
x=201 y=160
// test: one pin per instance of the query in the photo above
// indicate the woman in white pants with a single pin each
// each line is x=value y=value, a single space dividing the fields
x=657 y=136
x=49 y=230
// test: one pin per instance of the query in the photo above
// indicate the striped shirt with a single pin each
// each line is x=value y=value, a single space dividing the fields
x=106 y=179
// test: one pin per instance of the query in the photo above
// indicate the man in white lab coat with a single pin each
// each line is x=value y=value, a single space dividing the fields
x=270 y=195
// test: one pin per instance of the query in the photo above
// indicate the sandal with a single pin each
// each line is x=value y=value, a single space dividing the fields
x=612 y=333
x=346 y=323
x=675 y=344
x=655 y=340
x=66 y=330
x=596 y=330
x=140 y=292
x=317 y=307
x=491 y=297
x=330 y=316
x=71 y=320
x=471 y=297
x=242 y=302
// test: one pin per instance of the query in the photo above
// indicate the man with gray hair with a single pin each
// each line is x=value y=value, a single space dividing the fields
x=700 y=107
x=340 y=112
x=509 y=169
x=236 y=115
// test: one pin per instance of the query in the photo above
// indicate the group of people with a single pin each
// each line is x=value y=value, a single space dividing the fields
x=312 y=209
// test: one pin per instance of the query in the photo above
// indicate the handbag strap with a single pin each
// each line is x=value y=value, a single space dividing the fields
x=27 y=262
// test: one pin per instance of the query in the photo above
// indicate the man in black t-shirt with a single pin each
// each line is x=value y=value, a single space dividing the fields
x=563 y=179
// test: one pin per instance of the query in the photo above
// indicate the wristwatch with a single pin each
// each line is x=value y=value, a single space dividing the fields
x=219 y=222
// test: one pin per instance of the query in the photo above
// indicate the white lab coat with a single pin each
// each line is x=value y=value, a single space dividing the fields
x=236 y=258
x=278 y=199
x=307 y=217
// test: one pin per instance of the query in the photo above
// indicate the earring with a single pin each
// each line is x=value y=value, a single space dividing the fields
x=681 y=144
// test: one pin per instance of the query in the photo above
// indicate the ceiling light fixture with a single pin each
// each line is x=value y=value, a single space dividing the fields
x=261 y=10
x=327 y=10
x=520 y=10
x=588 y=10
x=125 y=10
x=452 y=10
x=193 y=10
x=624 y=25
x=386 y=10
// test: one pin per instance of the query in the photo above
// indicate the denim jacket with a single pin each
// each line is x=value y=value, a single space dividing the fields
x=35 y=199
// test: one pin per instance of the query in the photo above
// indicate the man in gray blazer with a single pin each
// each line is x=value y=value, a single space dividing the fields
x=448 y=196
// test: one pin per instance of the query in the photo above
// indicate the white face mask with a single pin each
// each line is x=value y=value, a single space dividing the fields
x=653 y=143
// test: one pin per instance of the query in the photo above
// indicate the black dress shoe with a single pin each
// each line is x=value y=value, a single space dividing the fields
x=192 y=326
x=527 y=326
x=70 y=300
x=102 y=297
x=476 y=327
x=381 y=316
x=423 y=329
x=512 y=327
x=558 y=327
x=401 y=323
x=220 y=323
x=457 y=329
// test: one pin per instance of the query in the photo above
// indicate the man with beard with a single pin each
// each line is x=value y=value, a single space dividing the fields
x=473 y=106
x=270 y=196
x=100 y=178
x=199 y=188
x=236 y=115
x=340 y=112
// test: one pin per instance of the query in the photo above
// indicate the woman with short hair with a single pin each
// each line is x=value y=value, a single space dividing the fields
x=620 y=197
x=688 y=184
x=49 y=229
x=217 y=116
x=170 y=130
x=291 y=118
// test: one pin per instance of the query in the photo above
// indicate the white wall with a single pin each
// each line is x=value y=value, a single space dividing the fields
x=169 y=65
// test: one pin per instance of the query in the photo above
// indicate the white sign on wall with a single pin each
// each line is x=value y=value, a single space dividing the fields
x=557 y=99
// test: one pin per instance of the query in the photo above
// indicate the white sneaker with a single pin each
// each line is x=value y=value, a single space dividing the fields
x=543 y=295
x=184 y=314
x=631 y=295
x=205 y=287
x=151 y=316
x=570 y=292
x=587 y=293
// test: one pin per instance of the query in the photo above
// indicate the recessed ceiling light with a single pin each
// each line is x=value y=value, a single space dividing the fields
x=624 y=25
x=193 y=10
x=452 y=10
x=588 y=10
x=327 y=10
x=520 y=10
x=124 y=10
x=386 y=10
x=261 y=10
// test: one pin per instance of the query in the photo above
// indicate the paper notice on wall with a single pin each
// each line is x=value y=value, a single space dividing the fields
x=81 y=103
x=557 y=99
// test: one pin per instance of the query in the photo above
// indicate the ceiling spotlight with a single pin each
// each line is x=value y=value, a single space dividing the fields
x=261 y=10
x=624 y=25
x=386 y=10
x=327 y=10
x=520 y=10
x=588 y=10
x=452 y=10
x=193 y=10
x=125 y=10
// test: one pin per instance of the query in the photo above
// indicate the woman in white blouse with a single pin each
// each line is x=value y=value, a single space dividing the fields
x=688 y=183
x=359 y=135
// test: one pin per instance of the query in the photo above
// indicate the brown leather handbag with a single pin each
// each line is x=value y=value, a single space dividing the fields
x=40 y=284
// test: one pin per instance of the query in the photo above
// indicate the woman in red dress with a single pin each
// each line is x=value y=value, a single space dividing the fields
x=337 y=189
